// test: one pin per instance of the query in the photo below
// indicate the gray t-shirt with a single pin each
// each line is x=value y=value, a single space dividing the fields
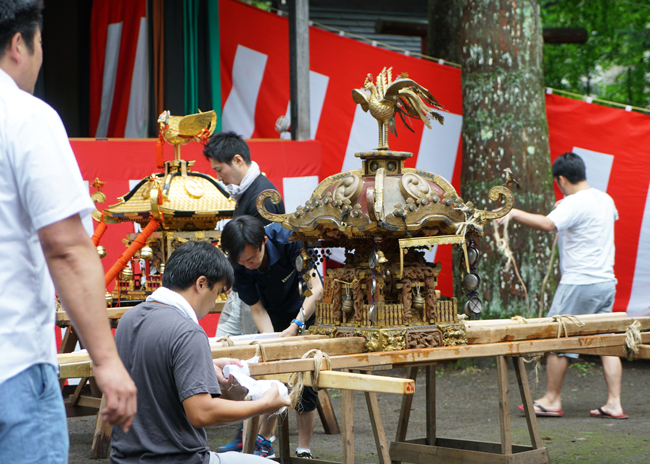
x=168 y=356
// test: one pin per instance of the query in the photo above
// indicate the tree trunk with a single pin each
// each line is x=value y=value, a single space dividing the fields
x=504 y=126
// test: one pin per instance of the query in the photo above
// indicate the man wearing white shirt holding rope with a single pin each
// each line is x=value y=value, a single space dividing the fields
x=585 y=221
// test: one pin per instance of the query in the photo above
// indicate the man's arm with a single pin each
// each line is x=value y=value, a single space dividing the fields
x=309 y=305
x=78 y=278
x=536 y=221
x=261 y=318
x=203 y=410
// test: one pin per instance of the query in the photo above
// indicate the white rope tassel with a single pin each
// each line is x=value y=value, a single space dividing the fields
x=472 y=222
x=503 y=245
x=633 y=340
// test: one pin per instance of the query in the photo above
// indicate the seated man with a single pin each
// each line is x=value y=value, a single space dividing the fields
x=264 y=261
x=168 y=356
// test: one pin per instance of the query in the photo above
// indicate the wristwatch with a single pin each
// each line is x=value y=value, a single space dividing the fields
x=299 y=323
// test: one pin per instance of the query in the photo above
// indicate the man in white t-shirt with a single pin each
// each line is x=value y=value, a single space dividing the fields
x=585 y=221
x=43 y=242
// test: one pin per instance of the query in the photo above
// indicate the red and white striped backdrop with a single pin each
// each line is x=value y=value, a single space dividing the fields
x=255 y=89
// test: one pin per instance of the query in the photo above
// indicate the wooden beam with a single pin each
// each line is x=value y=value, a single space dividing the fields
x=504 y=405
x=287 y=357
x=326 y=413
x=347 y=406
x=539 y=330
x=294 y=348
x=428 y=355
x=63 y=320
x=361 y=382
x=299 y=68
x=620 y=351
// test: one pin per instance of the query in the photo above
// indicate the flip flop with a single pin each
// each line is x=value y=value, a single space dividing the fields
x=543 y=412
x=607 y=415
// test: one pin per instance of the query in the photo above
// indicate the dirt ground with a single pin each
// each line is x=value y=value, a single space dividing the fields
x=467 y=408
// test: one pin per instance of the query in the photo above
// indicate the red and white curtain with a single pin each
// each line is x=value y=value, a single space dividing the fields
x=119 y=69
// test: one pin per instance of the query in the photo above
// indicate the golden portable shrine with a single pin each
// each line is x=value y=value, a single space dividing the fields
x=172 y=207
x=384 y=215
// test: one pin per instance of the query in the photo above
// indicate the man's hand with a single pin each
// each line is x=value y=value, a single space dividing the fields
x=290 y=331
x=120 y=392
x=511 y=215
x=274 y=400
x=220 y=363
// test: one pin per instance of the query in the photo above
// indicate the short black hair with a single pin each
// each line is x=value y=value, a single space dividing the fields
x=223 y=146
x=195 y=259
x=571 y=166
x=23 y=16
x=241 y=231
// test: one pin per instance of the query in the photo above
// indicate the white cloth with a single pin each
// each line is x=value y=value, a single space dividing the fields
x=585 y=221
x=171 y=298
x=40 y=185
x=256 y=388
x=238 y=190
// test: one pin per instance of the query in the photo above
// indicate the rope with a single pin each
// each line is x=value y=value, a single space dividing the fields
x=226 y=341
x=259 y=350
x=538 y=364
x=503 y=245
x=632 y=340
x=548 y=274
x=472 y=222
x=520 y=319
x=321 y=361
x=561 y=325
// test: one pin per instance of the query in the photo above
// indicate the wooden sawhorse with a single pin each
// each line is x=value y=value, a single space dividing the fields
x=442 y=450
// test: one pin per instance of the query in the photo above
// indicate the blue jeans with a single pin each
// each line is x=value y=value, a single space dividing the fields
x=33 y=424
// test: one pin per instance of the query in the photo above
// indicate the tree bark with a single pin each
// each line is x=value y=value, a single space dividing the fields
x=504 y=125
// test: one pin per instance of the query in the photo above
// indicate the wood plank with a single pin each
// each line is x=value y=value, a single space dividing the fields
x=89 y=401
x=541 y=320
x=361 y=382
x=429 y=355
x=294 y=348
x=348 y=426
x=620 y=351
x=411 y=358
x=504 y=405
x=284 y=444
x=405 y=410
x=430 y=399
x=251 y=428
x=102 y=437
x=527 y=400
x=377 y=426
x=424 y=454
x=509 y=332
x=326 y=413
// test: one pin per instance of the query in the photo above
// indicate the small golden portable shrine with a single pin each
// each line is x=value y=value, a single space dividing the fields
x=384 y=215
x=172 y=207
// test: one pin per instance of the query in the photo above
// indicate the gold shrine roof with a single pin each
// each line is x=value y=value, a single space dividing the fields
x=181 y=200
x=385 y=198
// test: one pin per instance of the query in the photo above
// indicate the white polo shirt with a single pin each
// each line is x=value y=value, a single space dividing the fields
x=585 y=221
x=40 y=184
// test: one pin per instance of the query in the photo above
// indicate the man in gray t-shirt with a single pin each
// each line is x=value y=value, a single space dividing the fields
x=168 y=356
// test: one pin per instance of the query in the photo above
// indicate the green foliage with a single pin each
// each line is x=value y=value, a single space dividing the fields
x=614 y=63
x=584 y=368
